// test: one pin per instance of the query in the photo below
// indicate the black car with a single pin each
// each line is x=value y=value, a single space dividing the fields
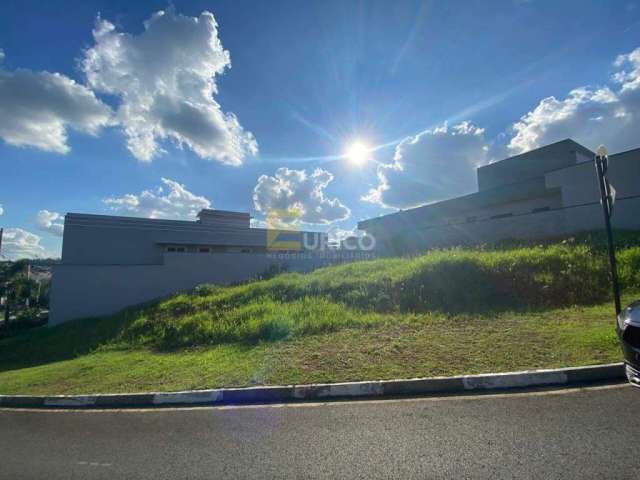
x=629 y=333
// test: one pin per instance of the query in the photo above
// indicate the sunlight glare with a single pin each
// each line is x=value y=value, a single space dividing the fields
x=358 y=153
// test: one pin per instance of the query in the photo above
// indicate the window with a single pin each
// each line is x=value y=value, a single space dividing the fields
x=180 y=249
x=502 y=215
x=204 y=250
x=171 y=249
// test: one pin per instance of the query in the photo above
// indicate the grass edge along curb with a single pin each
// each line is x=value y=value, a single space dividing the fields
x=324 y=391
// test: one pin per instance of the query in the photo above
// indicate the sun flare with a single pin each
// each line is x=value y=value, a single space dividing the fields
x=358 y=153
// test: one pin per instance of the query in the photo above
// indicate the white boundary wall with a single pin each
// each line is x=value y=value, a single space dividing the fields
x=566 y=221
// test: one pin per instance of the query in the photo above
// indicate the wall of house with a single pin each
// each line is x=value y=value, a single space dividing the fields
x=531 y=226
x=105 y=240
x=550 y=201
x=573 y=198
x=80 y=291
x=109 y=240
x=531 y=164
x=579 y=183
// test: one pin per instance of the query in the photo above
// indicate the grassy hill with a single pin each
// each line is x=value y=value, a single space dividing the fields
x=446 y=312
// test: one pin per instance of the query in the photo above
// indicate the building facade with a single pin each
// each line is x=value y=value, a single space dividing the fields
x=110 y=262
x=547 y=192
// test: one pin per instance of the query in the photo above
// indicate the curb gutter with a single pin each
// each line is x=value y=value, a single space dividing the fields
x=292 y=393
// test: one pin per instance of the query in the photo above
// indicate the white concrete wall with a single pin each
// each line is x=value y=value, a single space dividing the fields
x=552 y=201
x=534 y=163
x=108 y=240
x=80 y=291
x=573 y=198
x=579 y=183
x=526 y=227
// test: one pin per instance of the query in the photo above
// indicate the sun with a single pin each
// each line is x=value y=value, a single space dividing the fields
x=358 y=153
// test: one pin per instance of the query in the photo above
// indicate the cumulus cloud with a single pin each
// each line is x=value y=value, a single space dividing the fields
x=589 y=115
x=294 y=196
x=173 y=201
x=38 y=108
x=52 y=222
x=433 y=165
x=165 y=79
x=18 y=243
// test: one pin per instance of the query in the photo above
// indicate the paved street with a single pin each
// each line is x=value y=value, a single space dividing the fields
x=588 y=433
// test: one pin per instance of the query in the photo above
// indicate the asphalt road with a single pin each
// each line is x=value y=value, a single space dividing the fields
x=587 y=433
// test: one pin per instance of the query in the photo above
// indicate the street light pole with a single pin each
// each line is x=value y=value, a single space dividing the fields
x=606 y=199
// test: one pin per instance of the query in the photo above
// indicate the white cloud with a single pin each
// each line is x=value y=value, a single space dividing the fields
x=589 y=115
x=52 y=222
x=37 y=109
x=176 y=203
x=433 y=165
x=18 y=243
x=1 y=209
x=165 y=79
x=294 y=196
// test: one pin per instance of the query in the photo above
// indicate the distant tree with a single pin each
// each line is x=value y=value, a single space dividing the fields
x=23 y=295
x=18 y=267
x=4 y=271
x=22 y=289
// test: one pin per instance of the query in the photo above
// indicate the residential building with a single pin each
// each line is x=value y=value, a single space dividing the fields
x=111 y=262
x=547 y=192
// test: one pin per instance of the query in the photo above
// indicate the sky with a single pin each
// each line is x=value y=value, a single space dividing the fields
x=315 y=114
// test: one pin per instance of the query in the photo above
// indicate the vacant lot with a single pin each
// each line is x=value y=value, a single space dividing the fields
x=447 y=312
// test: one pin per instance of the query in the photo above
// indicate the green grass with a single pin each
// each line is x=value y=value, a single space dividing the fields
x=401 y=346
x=444 y=313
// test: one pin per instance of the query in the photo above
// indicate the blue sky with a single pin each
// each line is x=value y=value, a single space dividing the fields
x=432 y=89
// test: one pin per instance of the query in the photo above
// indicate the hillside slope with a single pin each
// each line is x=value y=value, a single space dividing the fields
x=476 y=303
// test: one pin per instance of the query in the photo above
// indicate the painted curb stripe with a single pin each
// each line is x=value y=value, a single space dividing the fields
x=125 y=400
x=189 y=397
x=70 y=401
x=235 y=396
x=274 y=394
x=491 y=382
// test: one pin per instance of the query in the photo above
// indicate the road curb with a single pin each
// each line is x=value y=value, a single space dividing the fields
x=291 y=393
